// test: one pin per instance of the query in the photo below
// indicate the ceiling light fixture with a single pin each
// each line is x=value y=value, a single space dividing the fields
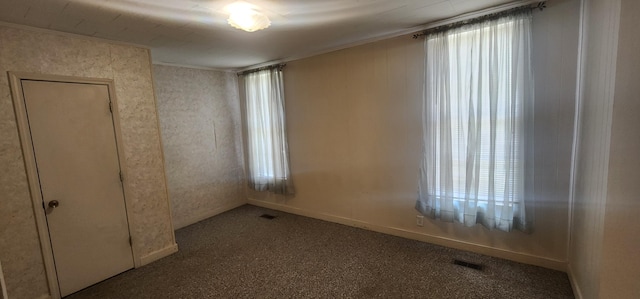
x=246 y=16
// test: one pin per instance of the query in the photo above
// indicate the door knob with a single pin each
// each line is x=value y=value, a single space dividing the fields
x=54 y=204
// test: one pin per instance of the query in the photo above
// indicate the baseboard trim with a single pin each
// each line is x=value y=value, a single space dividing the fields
x=158 y=254
x=230 y=206
x=437 y=240
x=574 y=283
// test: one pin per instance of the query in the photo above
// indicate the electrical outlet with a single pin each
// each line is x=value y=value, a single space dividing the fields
x=420 y=220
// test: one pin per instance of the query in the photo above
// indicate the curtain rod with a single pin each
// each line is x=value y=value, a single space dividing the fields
x=278 y=66
x=540 y=5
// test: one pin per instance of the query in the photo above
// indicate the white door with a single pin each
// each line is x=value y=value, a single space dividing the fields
x=79 y=171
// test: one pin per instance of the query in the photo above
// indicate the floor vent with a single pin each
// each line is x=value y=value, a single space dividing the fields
x=468 y=265
x=267 y=216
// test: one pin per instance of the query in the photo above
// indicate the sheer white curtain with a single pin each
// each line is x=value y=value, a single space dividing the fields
x=478 y=125
x=268 y=153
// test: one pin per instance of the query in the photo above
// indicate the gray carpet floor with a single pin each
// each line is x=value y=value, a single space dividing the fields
x=239 y=254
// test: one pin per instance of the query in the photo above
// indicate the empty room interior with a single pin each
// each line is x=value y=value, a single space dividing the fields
x=319 y=149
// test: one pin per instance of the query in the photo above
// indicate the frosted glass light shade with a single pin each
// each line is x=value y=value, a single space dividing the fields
x=249 y=21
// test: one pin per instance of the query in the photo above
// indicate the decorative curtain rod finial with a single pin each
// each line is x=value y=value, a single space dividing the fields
x=542 y=5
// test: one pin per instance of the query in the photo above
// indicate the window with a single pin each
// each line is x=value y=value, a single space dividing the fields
x=477 y=121
x=267 y=149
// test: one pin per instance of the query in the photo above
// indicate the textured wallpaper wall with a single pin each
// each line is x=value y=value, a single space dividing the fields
x=24 y=50
x=199 y=114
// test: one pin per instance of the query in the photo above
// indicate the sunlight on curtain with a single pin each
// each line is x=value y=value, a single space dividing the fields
x=268 y=153
x=478 y=125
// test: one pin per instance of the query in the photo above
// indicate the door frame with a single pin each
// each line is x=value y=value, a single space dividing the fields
x=22 y=121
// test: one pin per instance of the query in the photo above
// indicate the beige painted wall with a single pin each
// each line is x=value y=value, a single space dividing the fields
x=620 y=273
x=354 y=128
x=600 y=29
x=603 y=252
x=44 y=52
x=199 y=113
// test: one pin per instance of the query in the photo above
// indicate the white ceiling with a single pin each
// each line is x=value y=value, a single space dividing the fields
x=195 y=32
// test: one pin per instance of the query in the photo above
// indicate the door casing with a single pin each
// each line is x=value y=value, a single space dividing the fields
x=31 y=169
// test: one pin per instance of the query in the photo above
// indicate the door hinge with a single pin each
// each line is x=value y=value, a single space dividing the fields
x=121 y=177
x=110 y=107
x=130 y=241
x=43 y=206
